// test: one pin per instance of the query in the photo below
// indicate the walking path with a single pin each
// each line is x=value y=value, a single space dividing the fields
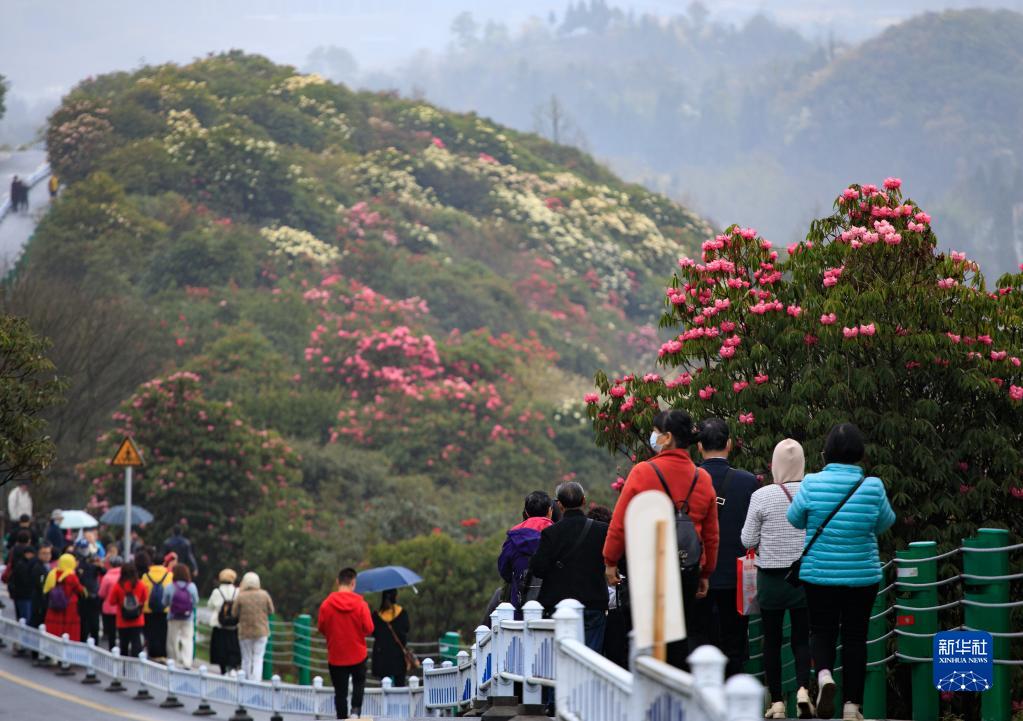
x=17 y=228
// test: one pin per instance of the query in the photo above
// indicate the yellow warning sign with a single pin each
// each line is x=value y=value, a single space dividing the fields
x=127 y=454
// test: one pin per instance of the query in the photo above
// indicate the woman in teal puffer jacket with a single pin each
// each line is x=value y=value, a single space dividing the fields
x=842 y=570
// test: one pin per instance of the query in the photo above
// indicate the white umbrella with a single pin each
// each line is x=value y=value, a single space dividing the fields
x=78 y=519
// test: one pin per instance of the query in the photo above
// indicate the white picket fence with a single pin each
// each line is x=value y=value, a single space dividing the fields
x=535 y=652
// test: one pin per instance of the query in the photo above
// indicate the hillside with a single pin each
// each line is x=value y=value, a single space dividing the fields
x=754 y=121
x=398 y=305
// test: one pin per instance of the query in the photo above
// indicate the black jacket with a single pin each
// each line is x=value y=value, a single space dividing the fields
x=183 y=547
x=388 y=656
x=731 y=517
x=579 y=574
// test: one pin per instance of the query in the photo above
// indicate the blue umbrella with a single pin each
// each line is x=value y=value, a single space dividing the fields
x=115 y=516
x=384 y=578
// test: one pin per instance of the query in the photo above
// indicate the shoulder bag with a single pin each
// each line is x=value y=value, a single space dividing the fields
x=411 y=662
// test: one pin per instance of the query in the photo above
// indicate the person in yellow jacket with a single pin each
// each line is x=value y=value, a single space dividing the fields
x=53 y=185
x=157 y=580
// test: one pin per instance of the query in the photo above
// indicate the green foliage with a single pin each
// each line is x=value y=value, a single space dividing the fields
x=28 y=388
x=863 y=322
x=458 y=580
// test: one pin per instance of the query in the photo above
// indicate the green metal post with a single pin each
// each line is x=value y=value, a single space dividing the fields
x=268 y=659
x=994 y=704
x=755 y=666
x=448 y=646
x=875 y=692
x=788 y=667
x=300 y=655
x=922 y=623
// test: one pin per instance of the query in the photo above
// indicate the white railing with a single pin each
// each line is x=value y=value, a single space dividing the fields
x=534 y=652
x=41 y=173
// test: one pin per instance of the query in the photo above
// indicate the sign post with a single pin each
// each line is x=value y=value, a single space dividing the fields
x=127 y=457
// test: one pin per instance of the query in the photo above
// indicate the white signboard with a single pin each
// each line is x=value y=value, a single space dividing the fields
x=641 y=553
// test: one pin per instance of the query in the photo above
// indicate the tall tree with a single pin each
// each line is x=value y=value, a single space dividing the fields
x=28 y=387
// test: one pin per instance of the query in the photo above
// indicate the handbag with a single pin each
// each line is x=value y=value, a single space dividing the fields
x=411 y=662
x=793 y=573
x=746 y=603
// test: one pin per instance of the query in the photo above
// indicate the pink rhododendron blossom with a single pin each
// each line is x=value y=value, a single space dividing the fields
x=591 y=398
x=438 y=143
x=684 y=263
x=651 y=378
x=683 y=380
x=999 y=355
x=489 y=159
x=618 y=484
x=922 y=217
x=892 y=183
x=628 y=404
x=726 y=351
x=761 y=378
x=957 y=257
x=727 y=326
x=851 y=332
x=810 y=339
x=828 y=319
x=617 y=391
x=746 y=418
x=749 y=234
x=707 y=392
x=739 y=386
x=947 y=283
x=850 y=194
x=794 y=311
x=868 y=329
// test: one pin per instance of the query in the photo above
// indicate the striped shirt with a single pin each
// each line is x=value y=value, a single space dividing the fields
x=768 y=530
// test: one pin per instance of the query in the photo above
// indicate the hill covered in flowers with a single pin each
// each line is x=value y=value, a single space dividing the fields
x=373 y=315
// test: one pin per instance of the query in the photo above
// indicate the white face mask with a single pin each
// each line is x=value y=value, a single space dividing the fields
x=654 y=435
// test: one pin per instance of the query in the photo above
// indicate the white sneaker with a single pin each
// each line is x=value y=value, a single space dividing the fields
x=851 y=712
x=777 y=710
x=804 y=706
x=825 y=694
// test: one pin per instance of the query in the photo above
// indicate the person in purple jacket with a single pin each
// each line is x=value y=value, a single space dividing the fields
x=522 y=542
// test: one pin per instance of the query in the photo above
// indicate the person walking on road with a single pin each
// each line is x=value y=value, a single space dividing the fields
x=19 y=503
x=55 y=535
x=345 y=621
x=520 y=545
x=569 y=559
x=182 y=547
x=129 y=597
x=180 y=626
x=63 y=589
x=391 y=627
x=778 y=545
x=157 y=580
x=90 y=573
x=717 y=620
x=843 y=512
x=224 y=648
x=109 y=608
x=252 y=607
x=54 y=185
x=20 y=583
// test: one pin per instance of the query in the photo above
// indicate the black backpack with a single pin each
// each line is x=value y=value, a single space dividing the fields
x=225 y=616
x=690 y=547
x=131 y=609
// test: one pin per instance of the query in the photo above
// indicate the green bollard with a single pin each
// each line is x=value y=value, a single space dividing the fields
x=300 y=654
x=268 y=659
x=789 y=683
x=994 y=704
x=875 y=692
x=755 y=666
x=922 y=623
x=448 y=645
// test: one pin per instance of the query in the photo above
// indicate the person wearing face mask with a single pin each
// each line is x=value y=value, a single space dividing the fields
x=690 y=488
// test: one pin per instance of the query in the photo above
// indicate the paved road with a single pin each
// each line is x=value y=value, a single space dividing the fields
x=16 y=229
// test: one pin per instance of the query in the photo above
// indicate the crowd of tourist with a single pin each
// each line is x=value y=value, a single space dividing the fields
x=815 y=543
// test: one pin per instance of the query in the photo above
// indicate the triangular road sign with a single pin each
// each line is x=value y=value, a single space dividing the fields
x=127 y=454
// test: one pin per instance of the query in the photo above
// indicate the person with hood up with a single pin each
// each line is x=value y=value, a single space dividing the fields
x=224 y=648
x=157 y=580
x=520 y=545
x=62 y=589
x=391 y=627
x=55 y=535
x=778 y=546
x=252 y=606
x=345 y=621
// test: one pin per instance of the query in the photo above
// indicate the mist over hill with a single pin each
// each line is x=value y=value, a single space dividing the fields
x=755 y=123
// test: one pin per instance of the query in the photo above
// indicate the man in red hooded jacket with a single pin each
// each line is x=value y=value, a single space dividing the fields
x=345 y=621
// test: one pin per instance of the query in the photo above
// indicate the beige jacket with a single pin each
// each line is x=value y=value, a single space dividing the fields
x=253 y=607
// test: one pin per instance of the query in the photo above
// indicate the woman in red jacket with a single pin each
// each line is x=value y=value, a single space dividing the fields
x=62 y=590
x=672 y=435
x=129 y=598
